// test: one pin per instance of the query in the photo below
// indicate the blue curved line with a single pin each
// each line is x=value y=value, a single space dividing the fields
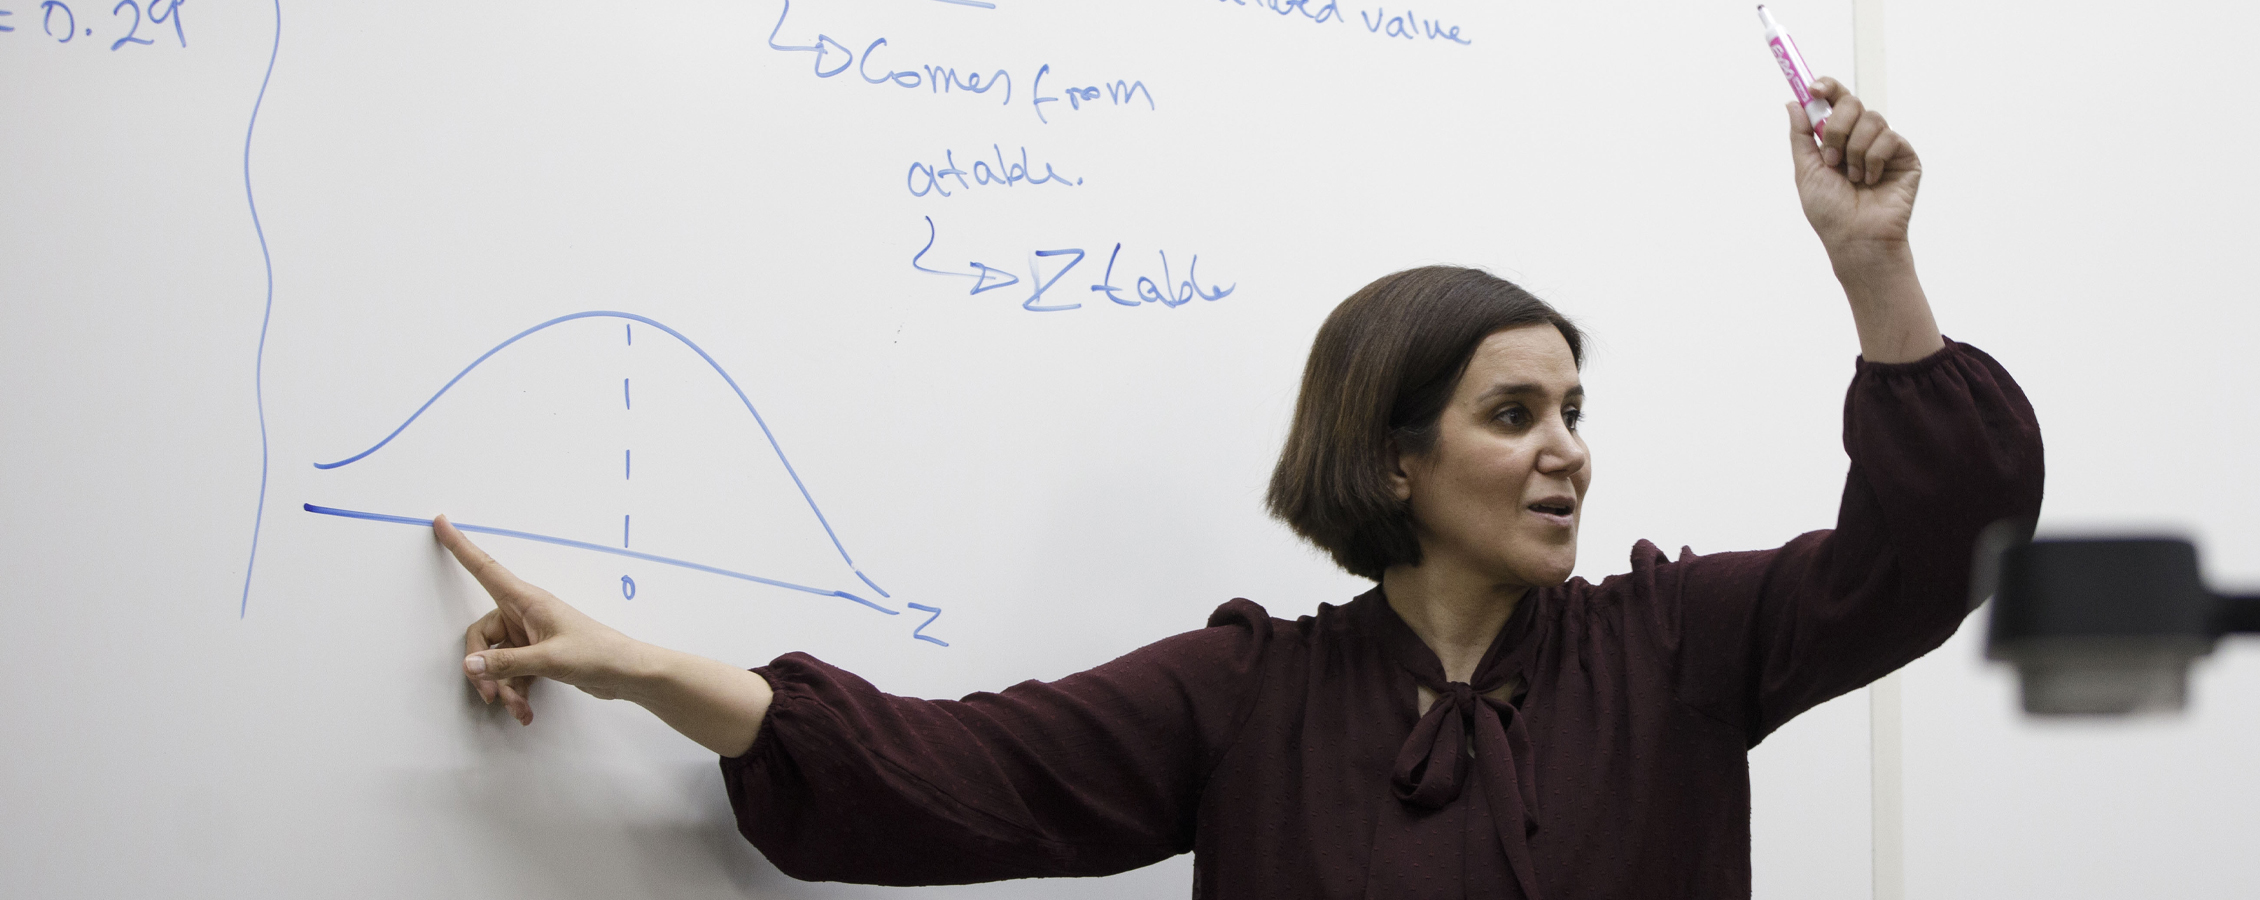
x=259 y=362
x=687 y=342
x=600 y=548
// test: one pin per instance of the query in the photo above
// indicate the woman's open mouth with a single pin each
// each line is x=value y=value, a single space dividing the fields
x=1557 y=511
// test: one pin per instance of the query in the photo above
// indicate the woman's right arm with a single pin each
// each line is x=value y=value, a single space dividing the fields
x=1096 y=773
x=532 y=634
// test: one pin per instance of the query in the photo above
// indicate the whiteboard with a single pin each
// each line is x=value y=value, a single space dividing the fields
x=948 y=341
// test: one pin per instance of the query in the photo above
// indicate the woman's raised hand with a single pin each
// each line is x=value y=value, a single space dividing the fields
x=1857 y=185
x=532 y=634
x=1858 y=189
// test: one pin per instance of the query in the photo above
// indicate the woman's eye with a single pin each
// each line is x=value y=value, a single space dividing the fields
x=1515 y=416
x=1573 y=416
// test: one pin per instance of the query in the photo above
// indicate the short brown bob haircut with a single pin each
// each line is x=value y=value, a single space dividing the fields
x=1380 y=373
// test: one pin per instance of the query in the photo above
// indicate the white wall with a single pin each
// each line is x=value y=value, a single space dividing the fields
x=2088 y=207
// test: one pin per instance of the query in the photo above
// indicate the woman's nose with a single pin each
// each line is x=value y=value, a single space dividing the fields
x=1564 y=453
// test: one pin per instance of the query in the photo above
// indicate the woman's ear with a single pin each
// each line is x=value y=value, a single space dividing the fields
x=1400 y=482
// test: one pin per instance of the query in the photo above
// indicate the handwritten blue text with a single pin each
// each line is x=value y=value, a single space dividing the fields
x=1168 y=291
x=56 y=20
x=1379 y=22
x=832 y=58
x=929 y=178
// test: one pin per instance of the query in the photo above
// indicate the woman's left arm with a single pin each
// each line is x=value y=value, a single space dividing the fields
x=1858 y=189
x=1941 y=449
x=1942 y=444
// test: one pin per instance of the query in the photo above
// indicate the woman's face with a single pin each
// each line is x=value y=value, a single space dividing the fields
x=1499 y=494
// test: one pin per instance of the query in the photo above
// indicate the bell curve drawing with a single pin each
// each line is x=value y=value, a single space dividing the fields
x=627 y=399
x=630 y=321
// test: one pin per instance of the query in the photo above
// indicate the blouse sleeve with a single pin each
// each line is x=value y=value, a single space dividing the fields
x=1096 y=773
x=1940 y=448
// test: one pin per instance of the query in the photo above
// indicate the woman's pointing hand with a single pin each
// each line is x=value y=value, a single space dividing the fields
x=532 y=634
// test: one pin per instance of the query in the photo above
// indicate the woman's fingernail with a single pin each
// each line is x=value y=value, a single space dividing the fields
x=476 y=664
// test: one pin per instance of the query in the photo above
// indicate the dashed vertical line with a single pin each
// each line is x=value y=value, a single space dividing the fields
x=627 y=466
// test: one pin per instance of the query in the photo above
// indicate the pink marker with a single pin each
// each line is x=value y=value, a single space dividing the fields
x=1793 y=68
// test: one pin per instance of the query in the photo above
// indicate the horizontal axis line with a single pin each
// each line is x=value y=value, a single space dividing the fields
x=600 y=548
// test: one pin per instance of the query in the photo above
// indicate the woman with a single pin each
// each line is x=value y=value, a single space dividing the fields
x=1475 y=725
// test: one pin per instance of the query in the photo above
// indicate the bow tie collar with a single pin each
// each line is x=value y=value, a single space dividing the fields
x=1432 y=766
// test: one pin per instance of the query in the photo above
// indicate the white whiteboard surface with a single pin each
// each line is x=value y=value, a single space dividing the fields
x=429 y=180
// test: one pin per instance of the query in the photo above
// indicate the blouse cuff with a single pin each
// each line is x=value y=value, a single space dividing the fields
x=761 y=739
x=1949 y=350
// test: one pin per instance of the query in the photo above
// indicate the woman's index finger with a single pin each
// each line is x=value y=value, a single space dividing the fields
x=498 y=581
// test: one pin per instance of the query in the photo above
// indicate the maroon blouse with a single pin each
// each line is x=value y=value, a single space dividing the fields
x=1289 y=758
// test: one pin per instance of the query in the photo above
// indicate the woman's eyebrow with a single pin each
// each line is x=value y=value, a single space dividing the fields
x=1576 y=392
